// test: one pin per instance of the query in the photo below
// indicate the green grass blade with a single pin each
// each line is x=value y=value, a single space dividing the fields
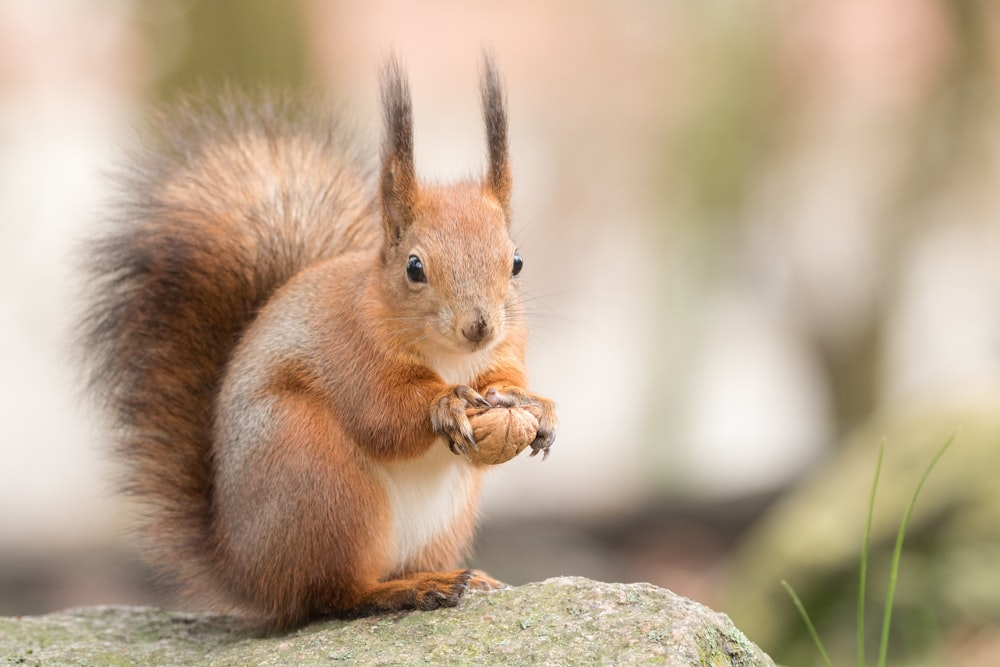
x=897 y=553
x=864 y=558
x=809 y=625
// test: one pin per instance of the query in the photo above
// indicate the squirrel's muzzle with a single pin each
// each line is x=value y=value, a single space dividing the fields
x=478 y=331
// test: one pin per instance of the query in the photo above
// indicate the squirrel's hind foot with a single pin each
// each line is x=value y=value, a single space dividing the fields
x=420 y=590
x=481 y=581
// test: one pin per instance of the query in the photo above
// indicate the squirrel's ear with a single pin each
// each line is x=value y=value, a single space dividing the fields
x=498 y=178
x=398 y=186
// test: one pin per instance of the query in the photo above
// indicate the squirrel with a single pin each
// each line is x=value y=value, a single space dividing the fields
x=309 y=363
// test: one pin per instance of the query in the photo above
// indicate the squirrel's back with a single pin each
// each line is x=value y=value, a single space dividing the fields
x=228 y=201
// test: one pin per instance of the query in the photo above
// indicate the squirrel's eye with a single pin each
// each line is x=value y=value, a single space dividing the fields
x=415 y=270
x=518 y=264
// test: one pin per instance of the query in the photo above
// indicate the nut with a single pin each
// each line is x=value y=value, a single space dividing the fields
x=501 y=433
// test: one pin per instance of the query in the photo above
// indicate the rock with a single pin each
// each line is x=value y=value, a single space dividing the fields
x=556 y=622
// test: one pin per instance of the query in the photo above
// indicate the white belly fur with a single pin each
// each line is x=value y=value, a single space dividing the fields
x=427 y=494
x=425 y=497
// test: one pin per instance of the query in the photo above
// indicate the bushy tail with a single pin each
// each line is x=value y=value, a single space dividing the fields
x=222 y=206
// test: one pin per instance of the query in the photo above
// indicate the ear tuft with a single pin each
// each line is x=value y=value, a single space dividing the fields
x=498 y=178
x=398 y=185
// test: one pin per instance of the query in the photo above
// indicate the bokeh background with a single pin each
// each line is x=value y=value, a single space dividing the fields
x=759 y=237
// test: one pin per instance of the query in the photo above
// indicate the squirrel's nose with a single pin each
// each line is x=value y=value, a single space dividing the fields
x=478 y=330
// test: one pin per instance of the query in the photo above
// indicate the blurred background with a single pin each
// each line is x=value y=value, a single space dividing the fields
x=758 y=237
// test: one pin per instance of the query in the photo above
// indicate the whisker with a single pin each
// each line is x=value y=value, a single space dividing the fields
x=415 y=317
x=423 y=337
x=405 y=329
x=402 y=330
x=538 y=309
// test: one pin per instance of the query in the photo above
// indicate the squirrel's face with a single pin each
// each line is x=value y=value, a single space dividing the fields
x=454 y=271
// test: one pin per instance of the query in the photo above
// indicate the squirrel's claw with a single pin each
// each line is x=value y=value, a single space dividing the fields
x=510 y=396
x=458 y=449
x=470 y=397
x=462 y=446
x=460 y=439
x=449 y=420
x=543 y=444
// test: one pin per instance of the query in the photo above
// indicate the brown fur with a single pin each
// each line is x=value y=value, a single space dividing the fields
x=281 y=387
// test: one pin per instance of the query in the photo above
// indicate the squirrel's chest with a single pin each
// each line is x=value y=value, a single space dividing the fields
x=431 y=500
x=460 y=368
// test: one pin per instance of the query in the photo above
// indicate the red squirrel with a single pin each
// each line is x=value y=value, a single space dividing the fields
x=306 y=358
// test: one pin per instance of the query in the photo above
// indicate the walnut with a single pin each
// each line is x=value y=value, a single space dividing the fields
x=501 y=433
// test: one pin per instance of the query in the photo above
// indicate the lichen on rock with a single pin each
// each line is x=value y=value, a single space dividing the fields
x=561 y=621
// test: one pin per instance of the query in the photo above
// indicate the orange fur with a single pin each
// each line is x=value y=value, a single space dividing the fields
x=286 y=381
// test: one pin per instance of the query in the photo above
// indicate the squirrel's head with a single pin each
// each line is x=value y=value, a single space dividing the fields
x=447 y=258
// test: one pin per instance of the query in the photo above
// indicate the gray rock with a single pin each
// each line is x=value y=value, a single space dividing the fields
x=563 y=621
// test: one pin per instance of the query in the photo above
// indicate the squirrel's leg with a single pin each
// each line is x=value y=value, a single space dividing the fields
x=301 y=518
x=305 y=523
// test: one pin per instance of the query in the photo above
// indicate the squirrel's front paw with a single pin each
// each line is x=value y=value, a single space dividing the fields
x=542 y=408
x=448 y=417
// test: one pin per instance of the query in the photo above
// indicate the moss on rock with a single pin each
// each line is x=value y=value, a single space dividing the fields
x=562 y=621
